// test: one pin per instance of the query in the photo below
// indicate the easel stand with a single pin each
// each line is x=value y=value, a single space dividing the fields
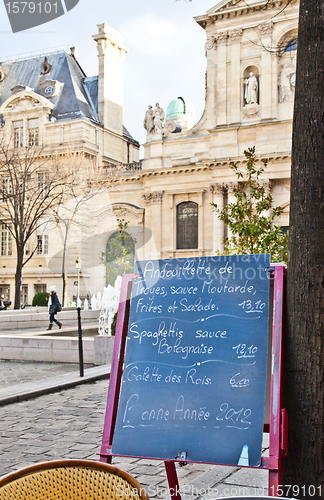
x=278 y=426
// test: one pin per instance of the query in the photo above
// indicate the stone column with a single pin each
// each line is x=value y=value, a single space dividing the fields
x=267 y=184
x=201 y=220
x=221 y=89
x=211 y=79
x=218 y=233
x=172 y=236
x=266 y=92
x=235 y=83
x=231 y=199
x=153 y=221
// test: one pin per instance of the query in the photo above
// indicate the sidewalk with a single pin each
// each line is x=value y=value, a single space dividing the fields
x=69 y=424
x=23 y=380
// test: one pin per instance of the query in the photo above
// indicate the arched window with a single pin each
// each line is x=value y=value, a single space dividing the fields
x=292 y=45
x=187 y=225
x=119 y=256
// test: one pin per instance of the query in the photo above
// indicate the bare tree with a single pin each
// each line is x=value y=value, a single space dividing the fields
x=87 y=183
x=31 y=185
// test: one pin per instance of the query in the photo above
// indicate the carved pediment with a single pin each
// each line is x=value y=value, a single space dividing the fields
x=25 y=100
x=232 y=8
x=19 y=88
x=126 y=210
x=227 y=5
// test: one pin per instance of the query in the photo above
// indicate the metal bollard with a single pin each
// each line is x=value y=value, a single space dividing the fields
x=80 y=343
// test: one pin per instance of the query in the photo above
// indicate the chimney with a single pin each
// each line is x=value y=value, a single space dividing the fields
x=111 y=54
x=74 y=52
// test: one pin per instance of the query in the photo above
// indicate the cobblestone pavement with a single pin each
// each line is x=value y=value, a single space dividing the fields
x=15 y=372
x=69 y=424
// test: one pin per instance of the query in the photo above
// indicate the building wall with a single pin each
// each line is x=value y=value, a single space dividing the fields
x=189 y=166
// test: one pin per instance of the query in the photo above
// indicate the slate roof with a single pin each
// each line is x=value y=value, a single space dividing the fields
x=78 y=97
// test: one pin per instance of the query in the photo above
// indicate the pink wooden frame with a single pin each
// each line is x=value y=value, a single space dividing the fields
x=278 y=427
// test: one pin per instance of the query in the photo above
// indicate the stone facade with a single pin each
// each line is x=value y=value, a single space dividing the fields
x=251 y=57
x=49 y=104
x=248 y=44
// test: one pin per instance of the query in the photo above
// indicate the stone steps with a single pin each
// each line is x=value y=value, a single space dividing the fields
x=38 y=317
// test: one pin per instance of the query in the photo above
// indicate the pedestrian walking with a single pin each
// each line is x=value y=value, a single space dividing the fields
x=54 y=307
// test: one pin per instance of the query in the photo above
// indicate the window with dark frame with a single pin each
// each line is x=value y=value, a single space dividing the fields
x=40 y=287
x=42 y=184
x=187 y=225
x=42 y=244
x=6 y=188
x=6 y=241
x=5 y=292
x=24 y=295
x=33 y=132
x=18 y=134
x=26 y=138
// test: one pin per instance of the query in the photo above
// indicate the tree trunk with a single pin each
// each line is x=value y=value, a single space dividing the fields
x=19 y=266
x=304 y=339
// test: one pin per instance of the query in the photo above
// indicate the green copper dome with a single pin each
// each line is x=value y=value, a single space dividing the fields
x=180 y=107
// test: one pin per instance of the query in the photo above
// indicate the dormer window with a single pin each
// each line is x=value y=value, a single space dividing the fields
x=33 y=132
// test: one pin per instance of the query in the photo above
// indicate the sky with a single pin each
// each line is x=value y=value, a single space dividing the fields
x=166 y=57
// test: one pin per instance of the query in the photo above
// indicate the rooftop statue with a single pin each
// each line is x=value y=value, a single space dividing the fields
x=148 y=121
x=158 y=118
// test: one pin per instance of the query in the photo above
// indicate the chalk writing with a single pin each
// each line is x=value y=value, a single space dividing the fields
x=237 y=381
x=238 y=417
x=244 y=351
x=250 y=307
x=211 y=288
x=195 y=363
x=162 y=330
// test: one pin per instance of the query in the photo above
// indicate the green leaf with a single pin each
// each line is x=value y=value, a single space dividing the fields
x=251 y=216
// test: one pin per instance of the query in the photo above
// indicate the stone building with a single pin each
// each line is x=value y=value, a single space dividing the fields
x=48 y=103
x=250 y=78
x=251 y=58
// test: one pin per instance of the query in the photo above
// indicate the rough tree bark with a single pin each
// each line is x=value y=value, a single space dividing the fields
x=304 y=339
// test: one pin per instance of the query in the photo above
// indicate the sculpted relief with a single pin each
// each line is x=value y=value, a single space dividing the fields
x=286 y=81
x=23 y=103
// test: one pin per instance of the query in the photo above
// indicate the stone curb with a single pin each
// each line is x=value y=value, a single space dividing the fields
x=29 y=390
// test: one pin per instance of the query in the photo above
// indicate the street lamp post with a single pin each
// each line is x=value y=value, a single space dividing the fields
x=78 y=267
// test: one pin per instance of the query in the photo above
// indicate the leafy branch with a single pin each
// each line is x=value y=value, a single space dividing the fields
x=251 y=218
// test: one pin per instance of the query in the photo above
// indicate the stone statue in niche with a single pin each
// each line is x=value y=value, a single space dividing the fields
x=286 y=83
x=148 y=120
x=251 y=89
x=158 y=118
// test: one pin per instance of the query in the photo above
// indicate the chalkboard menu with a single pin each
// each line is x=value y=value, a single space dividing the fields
x=195 y=366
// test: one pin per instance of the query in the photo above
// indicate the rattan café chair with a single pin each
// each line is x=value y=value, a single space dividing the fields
x=71 y=480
